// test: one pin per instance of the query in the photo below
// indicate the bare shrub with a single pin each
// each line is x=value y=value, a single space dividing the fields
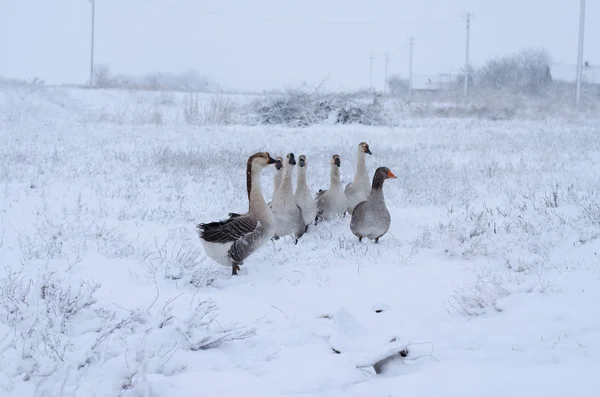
x=179 y=261
x=304 y=106
x=62 y=339
x=480 y=295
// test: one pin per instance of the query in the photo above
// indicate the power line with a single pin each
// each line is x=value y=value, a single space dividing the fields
x=371 y=70
x=92 y=39
x=411 y=41
x=385 y=72
x=467 y=45
x=580 y=52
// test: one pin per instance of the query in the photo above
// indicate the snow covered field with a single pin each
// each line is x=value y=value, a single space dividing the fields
x=490 y=272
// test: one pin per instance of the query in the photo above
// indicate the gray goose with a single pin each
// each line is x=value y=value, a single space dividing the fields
x=288 y=215
x=229 y=242
x=331 y=203
x=371 y=218
x=358 y=190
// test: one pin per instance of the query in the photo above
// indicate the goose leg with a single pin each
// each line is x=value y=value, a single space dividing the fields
x=306 y=229
x=359 y=239
x=234 y=268
x=376 y=240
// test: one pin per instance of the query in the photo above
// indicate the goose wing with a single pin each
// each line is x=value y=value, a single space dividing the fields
x=228 y=230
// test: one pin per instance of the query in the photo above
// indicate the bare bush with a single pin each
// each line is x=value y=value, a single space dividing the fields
x=220 y=110
x=302 y=107
x=62 y=339
x=189 y=80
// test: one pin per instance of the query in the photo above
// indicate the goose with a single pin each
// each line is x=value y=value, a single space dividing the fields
x=304 y=199
x=331 y=202
x=371 y=218
x=288 y=215
x=277 y=177
x=358 y=190
x=229 y=242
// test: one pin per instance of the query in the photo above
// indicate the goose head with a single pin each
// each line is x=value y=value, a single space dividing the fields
x=260 y=160
x=383 y=173
x=363 y=147
x=290 y=160
x=301 y=161
x=279 y=163
x=336 y=160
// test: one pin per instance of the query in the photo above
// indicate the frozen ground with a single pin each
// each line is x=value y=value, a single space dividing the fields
x=490 y=272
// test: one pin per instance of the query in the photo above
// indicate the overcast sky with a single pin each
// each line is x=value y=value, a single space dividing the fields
x=263 y=44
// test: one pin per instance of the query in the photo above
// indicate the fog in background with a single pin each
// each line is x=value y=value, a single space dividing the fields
x=267 y=44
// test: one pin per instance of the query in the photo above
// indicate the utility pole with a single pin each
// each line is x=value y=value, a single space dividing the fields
x=385 y=73
x=371 y=71
x=580 y=52
x=92 y=43
x=466 y=87
x=411 y=41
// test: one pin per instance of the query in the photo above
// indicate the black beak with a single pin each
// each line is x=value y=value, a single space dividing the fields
x=301 y=162
x=368 y=151
x=272 y=160
x=292 y=159
x=337 y=161
x=278 y=165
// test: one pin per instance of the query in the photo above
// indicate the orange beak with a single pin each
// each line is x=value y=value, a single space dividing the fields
x=391 y=175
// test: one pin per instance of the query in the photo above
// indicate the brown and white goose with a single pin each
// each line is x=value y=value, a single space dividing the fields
x=288 y=215
x=304 y=198
x=331 y=203
x=358 y=190
x=371 y=218
x=229 y=242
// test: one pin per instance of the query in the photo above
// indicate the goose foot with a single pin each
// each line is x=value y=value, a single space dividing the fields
x=234 y=268
x=376 y=240
x=360 y=239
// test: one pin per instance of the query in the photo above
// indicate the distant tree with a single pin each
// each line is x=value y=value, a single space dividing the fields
x=102 y=76
x=397 y=85
x=526 y=71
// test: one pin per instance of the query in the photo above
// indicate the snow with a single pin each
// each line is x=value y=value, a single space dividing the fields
x=489 y=273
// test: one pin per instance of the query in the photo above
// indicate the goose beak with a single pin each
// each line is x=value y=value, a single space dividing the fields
x=391 y=175
x=301 y=162
x=292 y=159
x=272 y=160
x=368 y=150
x=337 y=161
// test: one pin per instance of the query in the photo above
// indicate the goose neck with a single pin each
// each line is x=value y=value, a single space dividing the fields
x=301 y=176
x=361 y=166
x=255 y=195
x=335 y=176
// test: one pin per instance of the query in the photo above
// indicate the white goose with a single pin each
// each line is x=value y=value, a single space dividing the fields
x=331 y=203
x=304 y=198
x=277 y=177
x=288 y=215
x=231 y=241
x=359 y=189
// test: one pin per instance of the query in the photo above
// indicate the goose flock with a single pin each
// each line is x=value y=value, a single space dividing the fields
x=229 y=242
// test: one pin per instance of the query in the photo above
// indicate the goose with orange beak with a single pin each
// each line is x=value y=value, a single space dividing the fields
x=371 y=218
